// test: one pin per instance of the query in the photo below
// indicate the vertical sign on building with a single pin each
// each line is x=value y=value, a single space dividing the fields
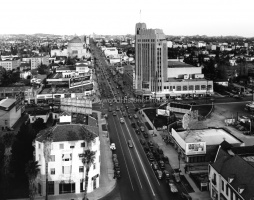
x=19 y=97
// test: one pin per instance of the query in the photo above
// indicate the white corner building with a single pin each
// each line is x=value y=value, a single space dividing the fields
x=66 y=172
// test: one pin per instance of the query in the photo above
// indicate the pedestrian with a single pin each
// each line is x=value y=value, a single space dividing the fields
x=185 y=169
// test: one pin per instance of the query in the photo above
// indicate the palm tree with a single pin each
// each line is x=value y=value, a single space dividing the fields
x=32 y=169
x=88 y=156
x=7 y=141
x=46 y=151
x=88 y=160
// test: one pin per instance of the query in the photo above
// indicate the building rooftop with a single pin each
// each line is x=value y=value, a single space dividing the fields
x=7 y=104
x=237 y=168
x=178 y=64
x=185 y=80
x=211 y=136
x=67 y=132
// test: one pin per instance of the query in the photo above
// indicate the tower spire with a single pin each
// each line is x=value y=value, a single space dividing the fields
x=140 y=15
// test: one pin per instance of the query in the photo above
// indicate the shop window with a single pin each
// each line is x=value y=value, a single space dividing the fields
x=203 y=87
x=184 y=87
x=191 y=87
x=197 y=87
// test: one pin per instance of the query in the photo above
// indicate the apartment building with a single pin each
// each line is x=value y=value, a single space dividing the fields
x=231 y=174
x=10 y=64
x=37 y=61
x=66 y=172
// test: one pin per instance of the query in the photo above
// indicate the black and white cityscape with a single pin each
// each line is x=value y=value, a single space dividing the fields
x=122 y=101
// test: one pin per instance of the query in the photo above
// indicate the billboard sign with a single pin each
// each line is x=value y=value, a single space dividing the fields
x=19 y=98
x=195 y=148
x=163 y=112
x=79 y=81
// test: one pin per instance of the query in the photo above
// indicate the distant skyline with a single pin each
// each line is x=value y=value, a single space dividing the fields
x=118 y=17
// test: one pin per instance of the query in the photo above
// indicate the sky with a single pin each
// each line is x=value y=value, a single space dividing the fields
x=118 y=17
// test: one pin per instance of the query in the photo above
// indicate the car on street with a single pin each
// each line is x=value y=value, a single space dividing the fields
x=150 y=143
x=142 y=141
x=142 y=128
x=137 y=132
x=158 y=174
x=110 y=109
x=130 y=144
x=166 y=174
x=150 y=156
x=114 y=156
x=165 y=159
x=145 y=134
x=172 y=186
x=162 y=164
x=177 y=177
x=121 y=120
x=178 y=99
x=130 y=117
x=114 y=113
x=139 y=123
x=110 y=103
x=135 y=116
x=154 y=165
x=117 y=108
x=113 y=146
x=133 y=125
x=124 y=114
x=146 y=149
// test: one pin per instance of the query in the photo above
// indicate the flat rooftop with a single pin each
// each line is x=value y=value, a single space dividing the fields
x=185 y=80
x=178 y=64
x=210 y=136
x=65 y=90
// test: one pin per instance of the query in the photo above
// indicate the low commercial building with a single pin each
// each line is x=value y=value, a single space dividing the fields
x=231 y=174
x=38 y=113
x=66 y=172
x=197 y=146
x=10 y=112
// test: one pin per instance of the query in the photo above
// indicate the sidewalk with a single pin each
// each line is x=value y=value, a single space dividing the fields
x=171 y=153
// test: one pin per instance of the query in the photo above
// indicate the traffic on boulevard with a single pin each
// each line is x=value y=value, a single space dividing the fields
x=140 y=167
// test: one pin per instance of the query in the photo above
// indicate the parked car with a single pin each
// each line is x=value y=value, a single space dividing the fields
x=113 y=146
x=142 y=128
x=162 y=164
x=150 y=156
x=114 y=113
x=110 y=109
x=124 y=114
x=160 y=151
x=137 y=132
x=145 y=134
x=146 y=149
x=166 y=174
x=135 y=116
x=172 y=186
x=158 y=174
x=114 y=156
x=154 y=165
x=177 y=177
x=117 y=108
x=165 y=159
x=150 y=143
x=142 y=141
x=133 y=125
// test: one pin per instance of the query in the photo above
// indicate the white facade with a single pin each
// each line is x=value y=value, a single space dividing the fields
x=37 y=61
x=8 y=113
x=10 y=64
x=33 y=118
x=110 y=51
x=59 y=52
x=66 y=165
